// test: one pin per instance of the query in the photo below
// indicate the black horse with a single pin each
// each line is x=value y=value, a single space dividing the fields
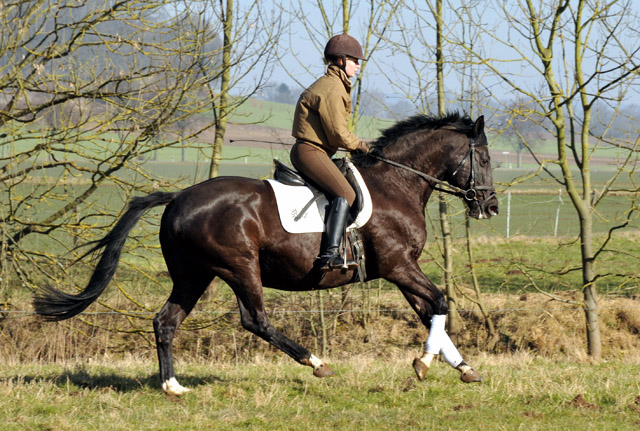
x=228 y=227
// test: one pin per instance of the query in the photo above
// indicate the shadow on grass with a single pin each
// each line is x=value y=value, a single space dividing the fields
x=111 y=380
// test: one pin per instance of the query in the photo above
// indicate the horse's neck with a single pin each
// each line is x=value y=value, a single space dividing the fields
x=392 y=184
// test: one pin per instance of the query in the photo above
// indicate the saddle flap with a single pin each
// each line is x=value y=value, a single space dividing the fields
x=296 y=208
x=290 y=177
x=286 y=175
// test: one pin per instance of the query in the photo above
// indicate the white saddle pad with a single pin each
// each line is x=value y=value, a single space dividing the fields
x=292 y=199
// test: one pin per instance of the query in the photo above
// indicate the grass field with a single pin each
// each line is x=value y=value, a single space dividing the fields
x=368 y=393
x=535 y=205
x=279 y=115
x=545 y=385
x=273 y=115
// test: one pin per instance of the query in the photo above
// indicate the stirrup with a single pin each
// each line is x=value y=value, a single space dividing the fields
x=329 y=262
x=335 y=261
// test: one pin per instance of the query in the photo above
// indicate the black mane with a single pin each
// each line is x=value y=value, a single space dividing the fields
x=453 y=120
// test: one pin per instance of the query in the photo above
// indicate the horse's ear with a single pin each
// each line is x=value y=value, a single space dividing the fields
x=478 y=127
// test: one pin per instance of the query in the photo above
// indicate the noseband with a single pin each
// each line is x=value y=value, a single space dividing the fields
x=470 y=194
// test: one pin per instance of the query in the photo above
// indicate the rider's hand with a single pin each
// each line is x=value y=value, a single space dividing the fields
x=364 y=147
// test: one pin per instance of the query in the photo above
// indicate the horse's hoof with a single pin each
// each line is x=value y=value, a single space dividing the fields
x=172 y=387
x=470 y=376
x=420 y=368
x=323 y=371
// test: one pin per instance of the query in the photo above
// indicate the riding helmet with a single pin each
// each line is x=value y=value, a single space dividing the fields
x=343 y=45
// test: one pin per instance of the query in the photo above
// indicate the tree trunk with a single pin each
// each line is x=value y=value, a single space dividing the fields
x=491 y=332
x=447 y=244
x=225 y=78
x=589 y=291
x=453 y=321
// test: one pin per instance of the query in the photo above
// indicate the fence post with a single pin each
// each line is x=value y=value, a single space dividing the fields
x=555 y=228
x=508 y=211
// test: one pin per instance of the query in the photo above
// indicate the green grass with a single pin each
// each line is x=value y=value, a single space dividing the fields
x=500 y=262
x=280 y=115
x=534 y=208
x=535 y=215
x=256 y=112
x=367 y=394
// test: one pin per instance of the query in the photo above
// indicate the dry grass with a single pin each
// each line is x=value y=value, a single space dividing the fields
x=535 y=323
x=380 y=328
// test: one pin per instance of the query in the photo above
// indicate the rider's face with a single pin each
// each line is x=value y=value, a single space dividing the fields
x=352 y=67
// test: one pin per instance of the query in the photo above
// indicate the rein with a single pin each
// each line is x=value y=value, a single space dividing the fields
x=470 y=194
x=453 y=189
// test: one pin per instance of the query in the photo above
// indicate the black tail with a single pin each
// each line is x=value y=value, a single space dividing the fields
x=56 y=305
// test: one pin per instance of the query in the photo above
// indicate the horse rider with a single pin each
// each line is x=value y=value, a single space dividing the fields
x=321 y=127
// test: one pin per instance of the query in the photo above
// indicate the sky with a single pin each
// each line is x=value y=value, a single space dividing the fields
x=392 y=77
x=302 y=60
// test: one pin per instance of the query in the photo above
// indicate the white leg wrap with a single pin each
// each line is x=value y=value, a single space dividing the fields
x=439 y=341
x=450 y=353
x=436 y=334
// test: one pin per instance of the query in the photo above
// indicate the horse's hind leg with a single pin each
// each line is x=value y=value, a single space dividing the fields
x=254 y=319
x=182 y=300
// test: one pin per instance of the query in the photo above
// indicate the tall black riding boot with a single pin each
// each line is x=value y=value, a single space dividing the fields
x=330 y=258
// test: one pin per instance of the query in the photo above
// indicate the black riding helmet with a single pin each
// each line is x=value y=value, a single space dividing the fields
x=342 y=46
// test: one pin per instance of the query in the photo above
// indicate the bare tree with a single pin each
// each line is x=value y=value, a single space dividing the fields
x=88 y=94
x=583 y=53
x=453 y=324
x=422 y=34
x=250 y=42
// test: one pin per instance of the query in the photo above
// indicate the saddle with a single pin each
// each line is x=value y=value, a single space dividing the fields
x=290 y=177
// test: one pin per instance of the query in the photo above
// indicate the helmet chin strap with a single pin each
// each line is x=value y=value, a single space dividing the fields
x=342 y=67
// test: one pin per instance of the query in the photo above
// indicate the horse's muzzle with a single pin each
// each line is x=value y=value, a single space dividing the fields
x=484 y=208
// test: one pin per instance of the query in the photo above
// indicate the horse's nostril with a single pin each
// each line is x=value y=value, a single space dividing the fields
x=493 y=210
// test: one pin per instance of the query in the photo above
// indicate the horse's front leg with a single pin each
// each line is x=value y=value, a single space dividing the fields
x=430 y=305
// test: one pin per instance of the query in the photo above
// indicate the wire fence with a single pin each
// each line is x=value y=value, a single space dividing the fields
x=27 y=313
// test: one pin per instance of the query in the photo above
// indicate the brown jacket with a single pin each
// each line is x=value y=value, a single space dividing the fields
x=323 y=111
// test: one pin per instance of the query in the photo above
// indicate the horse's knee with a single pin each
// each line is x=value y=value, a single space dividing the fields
x=248 y=324
x=440 y=305
x=164 y=332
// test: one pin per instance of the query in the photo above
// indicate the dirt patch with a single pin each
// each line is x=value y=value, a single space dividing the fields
x=635 y=405
x=462 y=407
x=251 y=135
x=579 y=402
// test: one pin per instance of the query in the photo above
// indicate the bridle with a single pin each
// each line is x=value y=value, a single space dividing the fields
x=470 y=194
